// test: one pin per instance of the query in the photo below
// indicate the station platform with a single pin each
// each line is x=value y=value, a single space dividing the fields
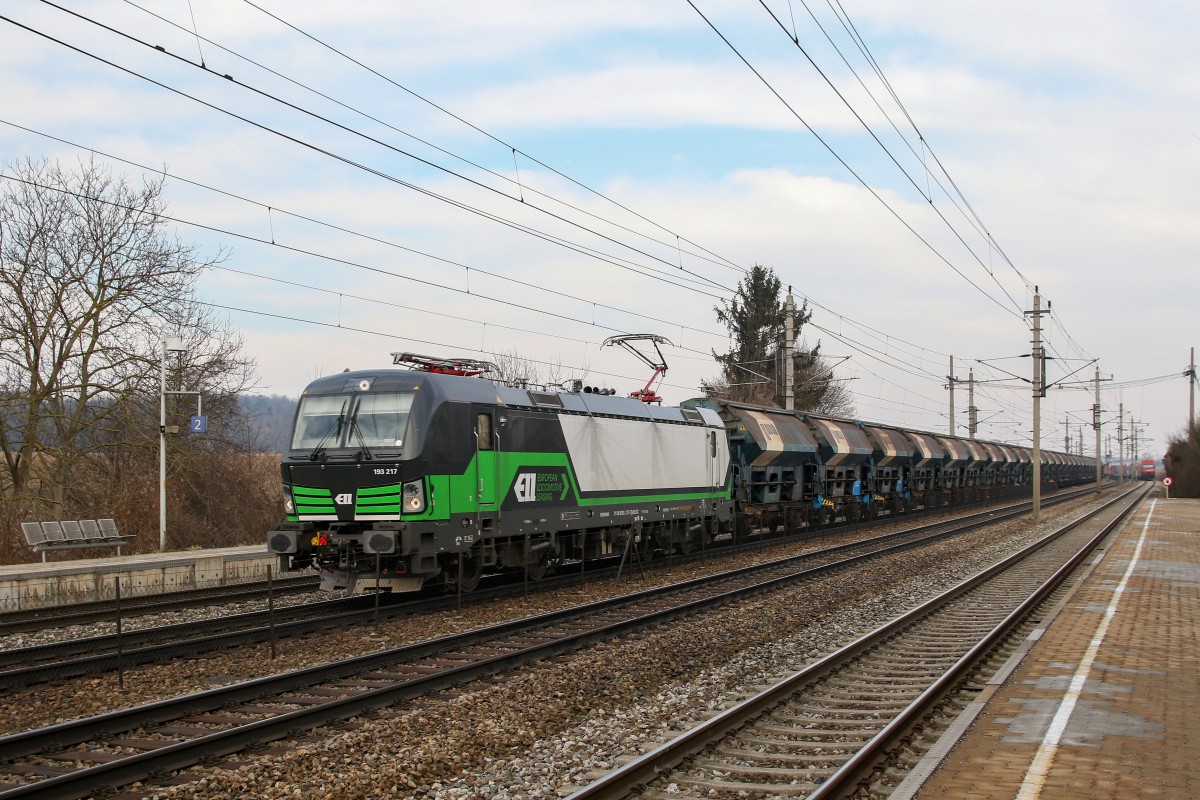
x=38 y=585
x=1102 y=700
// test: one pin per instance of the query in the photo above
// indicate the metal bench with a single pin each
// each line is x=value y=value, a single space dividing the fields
x=45 y=537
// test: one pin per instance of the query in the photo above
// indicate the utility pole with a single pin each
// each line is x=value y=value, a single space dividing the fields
x=1096 y=427
x=789 y=362
x=1121 y=444
x=972 y=411
x=1191 y=373
x=950 y=382
x=170 y=344
x=1039 y=389
x=1067 y=434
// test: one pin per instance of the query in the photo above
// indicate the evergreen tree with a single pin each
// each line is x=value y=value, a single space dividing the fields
x=752 y=371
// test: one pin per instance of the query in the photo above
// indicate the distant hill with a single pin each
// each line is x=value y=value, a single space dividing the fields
x=271 y=416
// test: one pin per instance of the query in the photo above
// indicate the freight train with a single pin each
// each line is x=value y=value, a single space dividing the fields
x=402 y=478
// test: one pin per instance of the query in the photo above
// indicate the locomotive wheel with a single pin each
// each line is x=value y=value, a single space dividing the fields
x=542 y=569
x=645 y=545
x=472 y=572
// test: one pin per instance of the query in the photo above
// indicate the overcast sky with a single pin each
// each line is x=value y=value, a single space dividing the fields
x=537 y=176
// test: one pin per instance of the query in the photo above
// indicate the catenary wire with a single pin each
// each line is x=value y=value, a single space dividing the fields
x=368 y=237
x=318 y=323
x=847 y=166
x=471 y=125
x=392 y=304
x=847 y=24
x=583 y=250
x=499 y=175
x=891 y=156
x=332 y=259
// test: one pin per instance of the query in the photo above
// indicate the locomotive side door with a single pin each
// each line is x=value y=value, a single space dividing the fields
x=486 y=441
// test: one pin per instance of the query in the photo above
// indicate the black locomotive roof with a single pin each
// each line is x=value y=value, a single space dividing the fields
x=446 y=387
x=463 y=389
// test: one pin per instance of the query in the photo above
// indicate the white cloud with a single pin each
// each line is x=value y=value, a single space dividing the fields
x=1077 y=150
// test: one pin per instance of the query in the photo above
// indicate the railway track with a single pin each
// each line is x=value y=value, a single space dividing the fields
x=89 y=655
x=84 y=757
x=95 y=654
x=26 y=621
x=824 y=731
x=12 y=622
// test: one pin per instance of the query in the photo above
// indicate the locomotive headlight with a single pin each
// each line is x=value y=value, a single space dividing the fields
x=289 y=505
x=414 y=497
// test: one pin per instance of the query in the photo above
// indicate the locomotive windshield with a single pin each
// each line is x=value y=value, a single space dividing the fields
x=382 y=418
x=375 y=420
x=320 y=421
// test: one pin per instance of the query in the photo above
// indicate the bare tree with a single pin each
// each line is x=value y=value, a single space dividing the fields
x=90 y=279
x=817 y=389
x=516 y=369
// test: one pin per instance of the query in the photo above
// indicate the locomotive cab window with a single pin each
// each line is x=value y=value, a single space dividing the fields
x=320 y=421
x=382 y=419
x=342 y=420
x=483 y=431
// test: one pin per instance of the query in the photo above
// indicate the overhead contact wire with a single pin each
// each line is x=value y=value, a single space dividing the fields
x=843 y=162
x=582 y=249
x=481 y=131
x=716 y=261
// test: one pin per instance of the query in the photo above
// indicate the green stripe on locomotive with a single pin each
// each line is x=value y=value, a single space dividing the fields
x=374 y=501
x=313 y=501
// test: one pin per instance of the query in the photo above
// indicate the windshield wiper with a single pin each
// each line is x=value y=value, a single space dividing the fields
x=318 y=453
x=365 y=453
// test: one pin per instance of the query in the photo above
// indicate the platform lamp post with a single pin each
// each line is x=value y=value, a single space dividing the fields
x=169 y=345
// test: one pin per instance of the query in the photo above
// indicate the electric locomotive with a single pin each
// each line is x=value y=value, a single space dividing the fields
x=401 y=478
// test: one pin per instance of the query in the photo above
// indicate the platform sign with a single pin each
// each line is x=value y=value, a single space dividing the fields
x=198 y=425
x=1167 y=481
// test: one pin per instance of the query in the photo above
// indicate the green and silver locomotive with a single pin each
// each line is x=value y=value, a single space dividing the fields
x=439 y=475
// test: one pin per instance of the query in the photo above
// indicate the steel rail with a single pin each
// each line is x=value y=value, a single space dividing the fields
x=862 y=764
x=179 y=755
x=620 y=782
x=12 y=622
x=90 y=655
